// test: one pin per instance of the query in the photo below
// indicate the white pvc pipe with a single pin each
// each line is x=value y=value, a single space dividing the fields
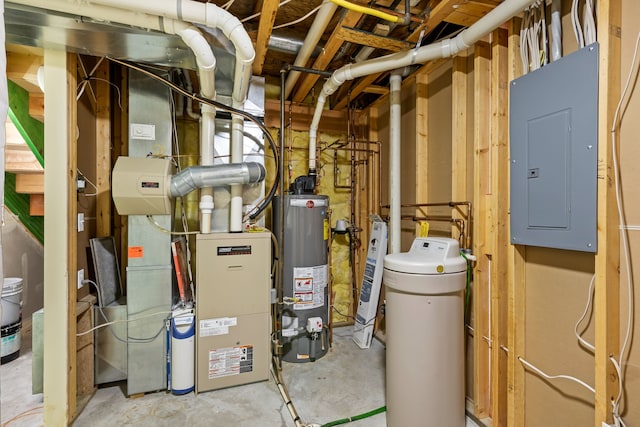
x=237 y=148
x=395 y=124
x=443 y=49
x=206 y=14
x=141 y=13
x=206 y=61
x=316 y=30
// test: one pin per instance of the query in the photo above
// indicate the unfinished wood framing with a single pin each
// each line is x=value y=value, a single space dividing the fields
x=607 y=261
x=30 y=183
x=460 y=170
x=267 y=18
x=36 y=106
x=482 y=238
x=120 y=129
x=516 y=271
x=374 y=196
x=422 y=144
x=103 y=151
x=60 y=368
x=330 y=49
x=357 y=36
x=22 y=67
x=499 y=226
x=301 y=115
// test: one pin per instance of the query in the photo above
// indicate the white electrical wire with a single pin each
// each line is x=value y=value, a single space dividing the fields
x=109 y=323
x=164 y=230
x=617 y=121
x=554 y=377
x=582 y=341
x=92 y=184
x=314 y=10
x=183 y=212
x=616 y=402
x=255 y=15
x=524 y=37
x=589 y=23
x=227 y=5
x=534 y=50
x=575 y=21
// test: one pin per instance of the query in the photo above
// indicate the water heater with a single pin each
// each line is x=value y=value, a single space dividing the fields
x=305 y=276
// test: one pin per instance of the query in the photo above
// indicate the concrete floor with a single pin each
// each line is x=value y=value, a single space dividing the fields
x=346 y=382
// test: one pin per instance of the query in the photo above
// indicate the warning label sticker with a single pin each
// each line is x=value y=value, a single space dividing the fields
x=227 y=361
x=309 y=286
x=219 y=326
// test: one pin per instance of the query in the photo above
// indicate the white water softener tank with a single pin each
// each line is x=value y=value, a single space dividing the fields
x=182 y=351
x=425 y=332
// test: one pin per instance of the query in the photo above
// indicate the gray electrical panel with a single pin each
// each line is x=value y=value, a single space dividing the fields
x=554 y=153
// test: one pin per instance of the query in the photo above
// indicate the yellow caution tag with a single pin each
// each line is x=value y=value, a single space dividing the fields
x=423 y=231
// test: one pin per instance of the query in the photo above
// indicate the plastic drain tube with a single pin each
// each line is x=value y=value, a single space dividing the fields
x=356 y=417
x=275 y=372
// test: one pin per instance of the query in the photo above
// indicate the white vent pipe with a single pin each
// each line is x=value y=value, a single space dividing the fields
x=214 y=17
x=207 y=14
x=237 y=149
x=316 y=30
x=395 y=123
x=442 y=49
x=141 y=13
x=206 y=70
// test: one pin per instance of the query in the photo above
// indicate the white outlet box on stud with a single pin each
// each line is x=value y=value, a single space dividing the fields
x=80 y=277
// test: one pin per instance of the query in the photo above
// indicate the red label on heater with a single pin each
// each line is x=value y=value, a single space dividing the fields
x=310 y=204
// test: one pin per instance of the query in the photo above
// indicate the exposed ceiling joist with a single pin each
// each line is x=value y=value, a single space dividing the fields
x=22 y=69
x=354 y=35
x=379 y=90
x=332 y=46
x=265 y=27
x=438 y=14
x=471 y=12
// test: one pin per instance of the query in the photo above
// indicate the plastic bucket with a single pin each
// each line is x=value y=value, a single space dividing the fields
x=11 y=301
x=10 y=344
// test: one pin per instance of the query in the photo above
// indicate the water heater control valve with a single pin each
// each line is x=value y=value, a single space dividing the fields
x=314 y=324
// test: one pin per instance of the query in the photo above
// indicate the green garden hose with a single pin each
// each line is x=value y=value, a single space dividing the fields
x=356 y=417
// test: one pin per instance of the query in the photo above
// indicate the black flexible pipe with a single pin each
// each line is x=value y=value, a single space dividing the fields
x=221 y=106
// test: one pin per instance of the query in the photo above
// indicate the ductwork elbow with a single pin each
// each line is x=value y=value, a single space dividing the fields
x=216 y=175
